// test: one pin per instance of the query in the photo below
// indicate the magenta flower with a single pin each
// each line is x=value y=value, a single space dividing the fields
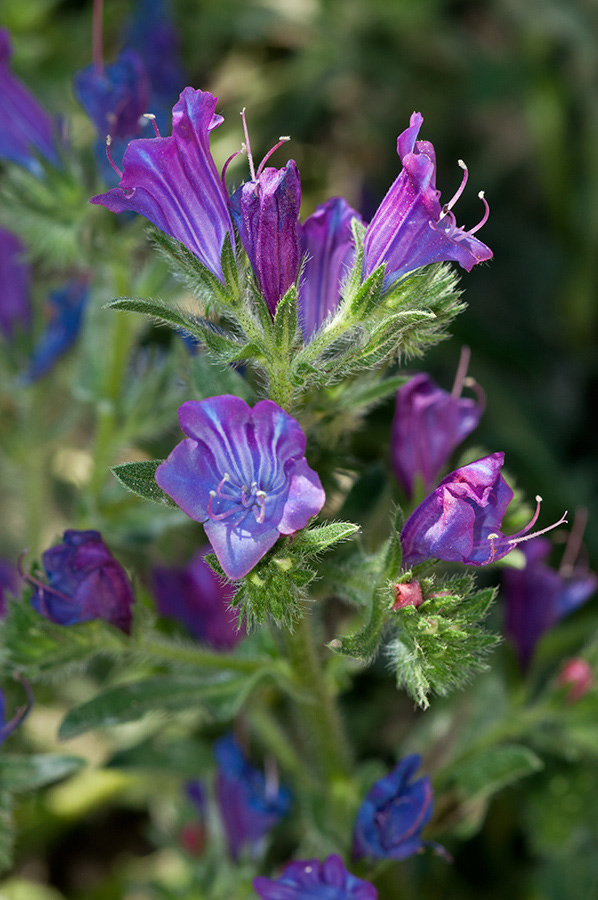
x=311 y=879
x=15 y=276
x=327 y=242
x=460 y=521
x=197 y=597
x=266 y=213
x=174 y=182
x=243 y=473
x=84 y=582
x=428 y=425
x=8 y=726
x=410 y=228
x=250 y=806
x=537 y=597
x=25 y=127
x=390 y=820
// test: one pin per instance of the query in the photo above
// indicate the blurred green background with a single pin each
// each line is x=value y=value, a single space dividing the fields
x=511 y=87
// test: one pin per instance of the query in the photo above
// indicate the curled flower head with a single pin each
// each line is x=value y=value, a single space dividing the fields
x=329 y=250
x=7 y=726
x=15 y=276
x=173 y=181
x=250 y=803
x=410 y=228
x=197 y=597
x=242 y=472
x=84 y=582
x=428 y=425
x=26 y=129
x=460 y=521
x=391 y=818
x=311 y=879
x=538 y=596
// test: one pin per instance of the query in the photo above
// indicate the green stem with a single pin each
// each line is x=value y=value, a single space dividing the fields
x=196 y=656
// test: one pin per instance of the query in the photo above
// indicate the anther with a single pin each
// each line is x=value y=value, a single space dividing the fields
x=152 y=119
x=448 y=206
x=484 y=218
x=281 y=141
x=109 y=155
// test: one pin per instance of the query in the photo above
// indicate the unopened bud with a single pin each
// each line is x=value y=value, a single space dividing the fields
x=409 y=594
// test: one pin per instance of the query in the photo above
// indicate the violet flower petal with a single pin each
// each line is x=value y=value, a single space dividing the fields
x=116 y=96
x=15 y=277
x=311 y=879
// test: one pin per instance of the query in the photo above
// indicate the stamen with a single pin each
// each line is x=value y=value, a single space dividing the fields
x=281 y=141
x=461 y=372
x=484 y=219
x=448 y=206
x=152 y=119
x=573 y=547
x=511 y=540
x=528 y=537
x=248 y=145
x=97 y=49
x=228 y=161
x=109 y=155
x=261 y=502
x=217 y=517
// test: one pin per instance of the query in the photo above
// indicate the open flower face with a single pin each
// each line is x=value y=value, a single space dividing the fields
x=243 y=473
x=410 y=228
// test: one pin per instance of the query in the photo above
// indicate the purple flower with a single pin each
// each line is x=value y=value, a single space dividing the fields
x=537 y=597
x=85 y=582
x=114 y=96
x=390 y=819
x=243 y=473
x=173 y=181
x=460 y=521
x=310 y=879
x=25 y=128
x=266 y=213
x=15 y=275
x=8 y=726
x=62 y=330
x=428 y=425
x=197 y=597
x=410 y=228
x=327 y=242
x=249 y=803
x=9 y=583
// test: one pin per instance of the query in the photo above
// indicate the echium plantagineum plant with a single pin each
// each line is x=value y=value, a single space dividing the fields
x=300 y=323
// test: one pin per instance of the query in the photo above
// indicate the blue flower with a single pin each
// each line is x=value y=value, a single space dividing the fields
x=428 y=425
x=410 y=228
x=243 y=473
x=266 y=213
x=25 y=128
x=250 y=806
x=66 y=315
x=537 y=597
x=310 y=879
x=197 y=597
x=391 y=818
x=15 y=275
x=327 y=242
x=84 y=582
x=114 y=96
x=8 y=726
x=460 y=521
x=173 y=181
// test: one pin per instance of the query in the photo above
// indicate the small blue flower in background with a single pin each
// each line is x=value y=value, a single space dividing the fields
x=26 y=129
x=537 y=597
x=114 y=96
x=197 y=597
x=173 y=181
x=84 y=582
x=311 y=879
x=428 y=425
x=329 y=250
x=9 y=583
x=8 y=726
x=410 y=228
x=242 y=472
x=67 y=305
x=15 y=277
x=250 y=804
x=460 y=521
x=390 y=819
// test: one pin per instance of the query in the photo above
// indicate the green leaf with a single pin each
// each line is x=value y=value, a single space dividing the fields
x=364 y=643
x=140 y=478
x=210 y=379
x=156 y=309
x=219 y=695
x=486 y=772
x=7 y=831
x=28 y=773
x=367 y=297
x=186 y=758
x=285 y=321
x=200 y=280
x=312 y=541
x=394 y=554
